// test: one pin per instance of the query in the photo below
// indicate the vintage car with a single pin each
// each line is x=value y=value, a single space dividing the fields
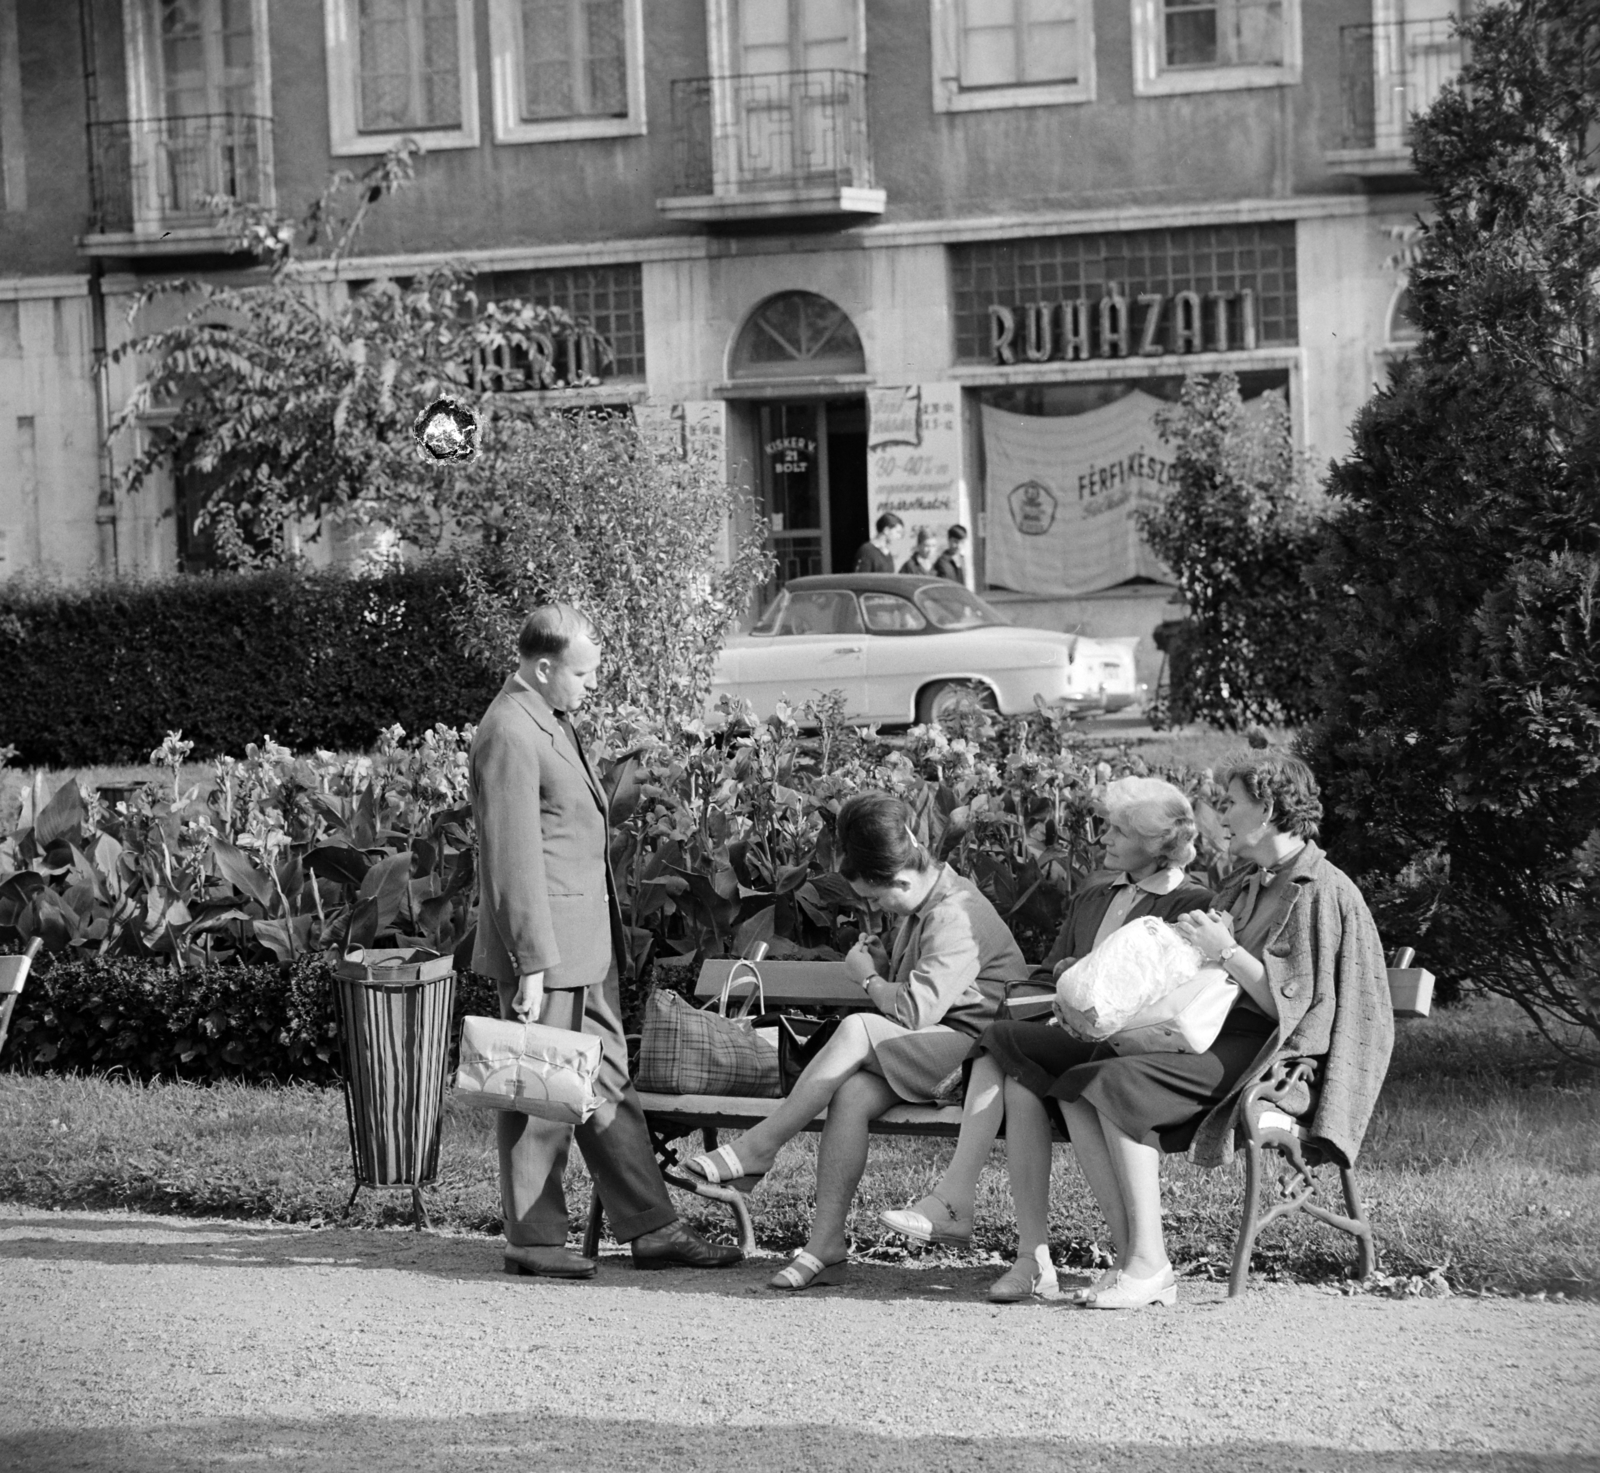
x=903 y=648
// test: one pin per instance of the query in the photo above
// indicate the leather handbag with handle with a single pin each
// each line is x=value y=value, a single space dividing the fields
x=549 y=1072
x=698 y=1051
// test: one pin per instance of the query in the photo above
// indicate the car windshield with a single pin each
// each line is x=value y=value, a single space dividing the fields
x=950 y=606
x=815 y=611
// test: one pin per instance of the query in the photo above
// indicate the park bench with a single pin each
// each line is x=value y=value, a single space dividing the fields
x=1261 y=1126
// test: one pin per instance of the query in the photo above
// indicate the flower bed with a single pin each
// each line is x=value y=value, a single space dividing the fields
x=722 y=837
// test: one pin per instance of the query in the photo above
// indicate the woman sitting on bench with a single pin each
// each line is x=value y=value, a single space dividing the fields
x=1296 y=935
x=1148 y=833
x=952 y=961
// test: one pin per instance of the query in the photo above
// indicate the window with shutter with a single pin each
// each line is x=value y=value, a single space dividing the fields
x=1214 y=45
x=400 y=68
x=566 y=69
x=410 y=65
x=1005 y=43
x=1012 y=53
x=1222 y=33
x=574 y=59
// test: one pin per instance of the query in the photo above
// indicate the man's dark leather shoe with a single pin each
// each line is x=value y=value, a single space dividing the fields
x=549 y=1263
x=679 y=1246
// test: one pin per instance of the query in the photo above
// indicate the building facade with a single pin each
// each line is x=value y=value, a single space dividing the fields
x=940 y=257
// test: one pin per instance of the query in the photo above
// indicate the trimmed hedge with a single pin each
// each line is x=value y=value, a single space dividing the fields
x=258 y=1024
x=100 y=674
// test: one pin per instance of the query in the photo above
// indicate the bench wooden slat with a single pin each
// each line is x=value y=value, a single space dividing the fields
x=787 y=984
x=741 y=1111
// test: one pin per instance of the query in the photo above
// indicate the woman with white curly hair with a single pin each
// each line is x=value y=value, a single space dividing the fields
x=1148 y=833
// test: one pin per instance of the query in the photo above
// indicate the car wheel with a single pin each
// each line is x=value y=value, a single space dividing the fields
x=946 y=699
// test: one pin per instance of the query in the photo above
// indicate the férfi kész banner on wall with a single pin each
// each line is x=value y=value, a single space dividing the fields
x=1062 y=493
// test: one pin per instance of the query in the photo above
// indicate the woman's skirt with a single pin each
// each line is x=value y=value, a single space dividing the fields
x=1166 y=1093
x=914 y=1063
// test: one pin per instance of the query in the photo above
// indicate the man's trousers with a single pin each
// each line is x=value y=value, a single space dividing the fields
x=614 y=1141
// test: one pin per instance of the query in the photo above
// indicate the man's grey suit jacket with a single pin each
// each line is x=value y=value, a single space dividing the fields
x=546 y=902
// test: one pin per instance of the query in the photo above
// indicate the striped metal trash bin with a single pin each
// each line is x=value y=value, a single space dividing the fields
x=394 y=1017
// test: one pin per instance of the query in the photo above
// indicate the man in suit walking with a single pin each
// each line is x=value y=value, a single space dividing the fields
x=550 y=934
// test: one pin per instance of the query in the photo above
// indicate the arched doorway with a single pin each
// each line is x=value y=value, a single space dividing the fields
x=800 y=358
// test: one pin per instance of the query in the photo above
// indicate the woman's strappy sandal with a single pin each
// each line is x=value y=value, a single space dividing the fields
x=806 y=1271
x=724 y=1169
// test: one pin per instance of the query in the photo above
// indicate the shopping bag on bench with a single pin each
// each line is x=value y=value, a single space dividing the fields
x=703 y=1051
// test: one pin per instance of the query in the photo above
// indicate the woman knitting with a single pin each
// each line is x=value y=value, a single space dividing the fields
x=931 y=997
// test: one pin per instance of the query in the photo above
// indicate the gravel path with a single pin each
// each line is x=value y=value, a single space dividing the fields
x=135 y=1343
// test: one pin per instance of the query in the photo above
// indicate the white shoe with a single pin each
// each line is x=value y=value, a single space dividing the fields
x=1131 y=1293
x=1107 y=1278
x=1027 y=1278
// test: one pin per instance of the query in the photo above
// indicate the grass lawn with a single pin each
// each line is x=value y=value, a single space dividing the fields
x=1483 y=1159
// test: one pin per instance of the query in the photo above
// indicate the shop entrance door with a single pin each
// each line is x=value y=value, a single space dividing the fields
x=813 y=456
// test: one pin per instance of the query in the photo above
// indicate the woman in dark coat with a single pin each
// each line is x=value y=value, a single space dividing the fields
x=1149 y=839
x=1295 y=934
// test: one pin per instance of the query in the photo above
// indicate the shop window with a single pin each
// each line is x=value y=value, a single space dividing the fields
x=401 y=69
x=1214 y=45
x=610 y=299
x=1197 y=289
x=567 y=69
x=1011 y=53
x=798 y=335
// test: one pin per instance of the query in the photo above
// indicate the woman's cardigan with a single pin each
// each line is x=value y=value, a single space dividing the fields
x=953 y=959
x=1325 y=966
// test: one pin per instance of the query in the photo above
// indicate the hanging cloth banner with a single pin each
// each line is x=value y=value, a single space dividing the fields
x=1062 y=492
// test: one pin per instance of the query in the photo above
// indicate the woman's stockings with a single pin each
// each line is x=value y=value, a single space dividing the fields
x=840 y=1057
x=982 y=1113
x=1028 y=1159
x=1138 y=1168
x=1094 y=1159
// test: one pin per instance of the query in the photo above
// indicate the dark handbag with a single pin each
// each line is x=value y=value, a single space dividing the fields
x=693 y=1051
x=800 y=1040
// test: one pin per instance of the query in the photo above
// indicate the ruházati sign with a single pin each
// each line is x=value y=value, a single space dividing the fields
x=1063 y=494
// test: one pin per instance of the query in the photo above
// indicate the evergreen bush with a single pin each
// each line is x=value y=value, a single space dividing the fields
x=1460 y=685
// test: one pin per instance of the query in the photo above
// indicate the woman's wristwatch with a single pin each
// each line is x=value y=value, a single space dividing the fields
x=1221 y=958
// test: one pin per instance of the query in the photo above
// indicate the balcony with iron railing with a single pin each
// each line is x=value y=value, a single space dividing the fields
x=157 y=184
x=771 y=145
x=1389 y=72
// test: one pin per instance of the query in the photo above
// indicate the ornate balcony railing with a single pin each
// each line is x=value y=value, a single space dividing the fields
x=1388 y=72
x=770 y=131
x=150 y=174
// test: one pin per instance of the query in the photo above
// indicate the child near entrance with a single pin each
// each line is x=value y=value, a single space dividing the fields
x=923 y=554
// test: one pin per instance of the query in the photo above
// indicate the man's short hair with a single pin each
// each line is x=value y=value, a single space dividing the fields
x=887 y=520
x=957 y=533
x=550 y=628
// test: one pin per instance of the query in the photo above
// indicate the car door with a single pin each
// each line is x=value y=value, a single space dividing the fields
x=818 y=646
x=902 y=653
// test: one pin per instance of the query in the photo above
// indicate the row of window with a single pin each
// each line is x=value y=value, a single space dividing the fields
x=564 y=69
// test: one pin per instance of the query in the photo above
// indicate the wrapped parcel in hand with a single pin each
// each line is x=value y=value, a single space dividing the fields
x=446 y=430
